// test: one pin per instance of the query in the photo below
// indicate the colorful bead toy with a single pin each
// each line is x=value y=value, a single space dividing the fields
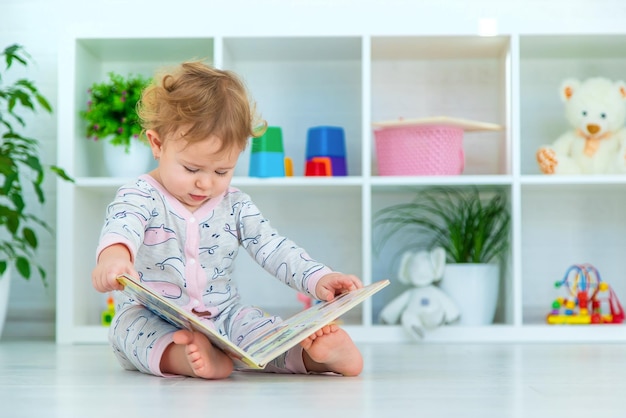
x=588 y=299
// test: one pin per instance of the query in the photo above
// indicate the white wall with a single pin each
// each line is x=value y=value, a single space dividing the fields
x=39 y=24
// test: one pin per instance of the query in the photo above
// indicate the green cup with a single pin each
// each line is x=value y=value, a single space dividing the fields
x=267 y=158
x=270 y=141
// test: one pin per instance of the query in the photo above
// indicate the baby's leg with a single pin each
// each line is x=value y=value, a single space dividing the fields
x=332 y=350
x=192 y=354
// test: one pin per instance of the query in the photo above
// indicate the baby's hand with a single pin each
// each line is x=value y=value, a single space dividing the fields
x=334 y=284
x=112 y=262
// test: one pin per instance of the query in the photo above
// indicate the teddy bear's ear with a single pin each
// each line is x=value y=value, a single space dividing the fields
x=621 y=86
x=568 y=87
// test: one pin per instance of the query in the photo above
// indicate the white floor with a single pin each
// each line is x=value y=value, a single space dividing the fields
x=41 y=379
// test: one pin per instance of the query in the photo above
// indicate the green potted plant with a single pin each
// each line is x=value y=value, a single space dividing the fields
x=111 y=116
x=20 y=165
x=471 y=225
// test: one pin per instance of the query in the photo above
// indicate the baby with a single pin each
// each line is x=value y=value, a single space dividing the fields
x=179 y=228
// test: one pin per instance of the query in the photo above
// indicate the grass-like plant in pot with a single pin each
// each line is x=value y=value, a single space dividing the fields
x=471 y=225
x=111 y=109
x=20 y=164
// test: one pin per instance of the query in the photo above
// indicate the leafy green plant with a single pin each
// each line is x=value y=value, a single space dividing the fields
x=471 y=226
x=111 y=109
x=19 y=165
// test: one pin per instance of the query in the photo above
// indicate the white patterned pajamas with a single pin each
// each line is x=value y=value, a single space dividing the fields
x=188 y=258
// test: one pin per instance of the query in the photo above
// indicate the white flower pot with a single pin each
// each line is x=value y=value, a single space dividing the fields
x=474 y=289
x=5 y=287
x=133 y=163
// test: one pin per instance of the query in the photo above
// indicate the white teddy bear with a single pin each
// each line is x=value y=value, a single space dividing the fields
x=424 y=306
x=596 y=110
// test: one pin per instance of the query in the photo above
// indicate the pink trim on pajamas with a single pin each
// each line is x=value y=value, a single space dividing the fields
x=157 y=353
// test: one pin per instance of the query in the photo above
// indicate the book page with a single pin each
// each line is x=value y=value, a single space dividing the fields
x=178 y=317
x=298 y=327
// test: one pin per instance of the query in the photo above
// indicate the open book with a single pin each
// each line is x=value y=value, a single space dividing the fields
x=269 y=345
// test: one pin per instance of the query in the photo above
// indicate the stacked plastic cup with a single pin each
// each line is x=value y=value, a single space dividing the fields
x=326 y=142
x=267 y=156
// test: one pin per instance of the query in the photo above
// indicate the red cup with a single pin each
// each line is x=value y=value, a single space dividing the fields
x=318 y=166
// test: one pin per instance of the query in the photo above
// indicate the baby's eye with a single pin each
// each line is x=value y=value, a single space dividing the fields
x=191 y=170
x=221 y=173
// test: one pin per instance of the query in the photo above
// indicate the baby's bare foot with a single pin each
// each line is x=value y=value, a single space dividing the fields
x=192 y=354
x=332 y=350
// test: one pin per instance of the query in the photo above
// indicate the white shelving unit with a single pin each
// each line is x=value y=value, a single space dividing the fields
x=301 y=80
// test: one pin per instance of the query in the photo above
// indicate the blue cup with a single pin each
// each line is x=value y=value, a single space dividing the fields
x=328 y=141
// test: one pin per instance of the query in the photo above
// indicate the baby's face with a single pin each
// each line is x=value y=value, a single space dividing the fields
x=196 y=172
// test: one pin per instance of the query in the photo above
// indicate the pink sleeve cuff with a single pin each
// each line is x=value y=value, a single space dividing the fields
x=111 y=239
x=315 y=278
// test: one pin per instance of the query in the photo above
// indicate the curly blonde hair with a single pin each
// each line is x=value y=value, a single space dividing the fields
x=204 y=101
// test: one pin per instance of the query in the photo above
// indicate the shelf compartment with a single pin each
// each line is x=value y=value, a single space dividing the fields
x=95 y=58
x=455 y=76
x=79 y=258
x=325 y=221
x=566 y=225
x=321 y=235
x=545 y=62
x=385 y=262
x=299 y=83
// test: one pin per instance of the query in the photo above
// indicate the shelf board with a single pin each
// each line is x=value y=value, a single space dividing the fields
x=100 y=182
x=574 y=180
x=108 y=182
x=325 y=181
x=114 y=182
x=495 y=179
x=386 y=181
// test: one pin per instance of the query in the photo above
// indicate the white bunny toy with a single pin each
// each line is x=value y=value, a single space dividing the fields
x=424 y=306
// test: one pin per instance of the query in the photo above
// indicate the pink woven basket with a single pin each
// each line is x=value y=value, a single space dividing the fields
x=424 y=150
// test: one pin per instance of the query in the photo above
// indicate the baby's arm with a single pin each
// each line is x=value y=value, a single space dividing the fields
x=334 y=284
x=112 y=261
